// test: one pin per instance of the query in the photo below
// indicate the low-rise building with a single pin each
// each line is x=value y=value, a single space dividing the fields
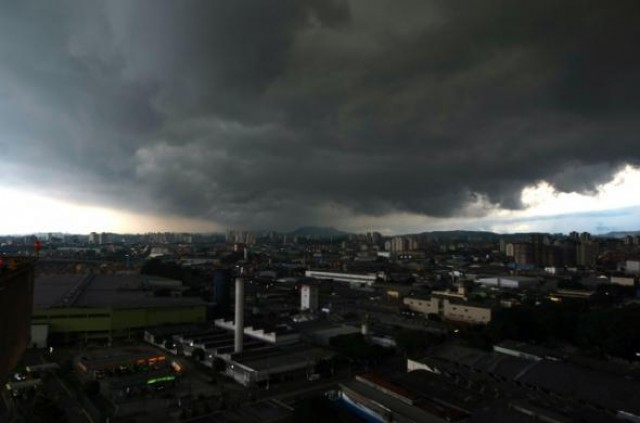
x=508 y=282
x=273 y=335
x=352 y=278
x=454 y=307
x=552 y=379
x=633 y=266
x=466 y=312
x=422 y=305
x=623 y=280
x=265 y=365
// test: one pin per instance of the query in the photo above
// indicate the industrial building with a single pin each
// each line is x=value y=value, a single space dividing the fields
x=280 y=334
x=424 y=396
x=254 y=354
x=86 y=307
x=527 y=372
x=509 y=282
x=352 y=278
x=122 y=370
x=450 y=306
x=265 y=365
x=258 y=361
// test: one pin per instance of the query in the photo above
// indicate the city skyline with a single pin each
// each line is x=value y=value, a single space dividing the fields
x=397 y=117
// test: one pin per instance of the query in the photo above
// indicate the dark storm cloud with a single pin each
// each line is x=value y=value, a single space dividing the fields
x=257 y=113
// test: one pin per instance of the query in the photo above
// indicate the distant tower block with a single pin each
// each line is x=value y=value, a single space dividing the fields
x=309 y=298
x=239 y=321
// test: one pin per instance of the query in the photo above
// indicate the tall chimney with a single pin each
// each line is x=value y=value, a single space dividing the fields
x=239 y=322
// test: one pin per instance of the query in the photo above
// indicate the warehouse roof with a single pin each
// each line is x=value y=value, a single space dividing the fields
x=114 y=290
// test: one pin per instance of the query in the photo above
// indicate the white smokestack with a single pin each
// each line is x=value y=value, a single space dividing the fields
x=239 y=322
x=364 y=329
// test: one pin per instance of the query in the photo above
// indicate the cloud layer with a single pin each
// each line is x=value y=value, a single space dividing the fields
x=273 y=114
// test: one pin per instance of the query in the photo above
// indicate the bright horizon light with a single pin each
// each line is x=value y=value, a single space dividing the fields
x=621 y=192
x=26 y=213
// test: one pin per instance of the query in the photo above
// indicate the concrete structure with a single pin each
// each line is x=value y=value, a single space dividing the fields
x=623 y=280
x=451 y=308
x=123 y=370
x=509 y=250
x=403 y=243
x=309 y=297
x=364 y=329
x=508 y=282
x=587 y=252
x=415 y=397
x=81 y=308
x=633 y=266
x=523 y=253
x=16 y=306
x=239 y=316
x=466 y=312
x=551 y=379
x=271 y=335
x=352 y=278
x=423 y=305
x=261 y=366
x=526 y=351
x=322 y=335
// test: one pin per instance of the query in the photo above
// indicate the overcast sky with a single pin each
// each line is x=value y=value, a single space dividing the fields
x=391 y=115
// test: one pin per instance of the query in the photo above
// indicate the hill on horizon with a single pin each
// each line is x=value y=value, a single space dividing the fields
x=318 y=232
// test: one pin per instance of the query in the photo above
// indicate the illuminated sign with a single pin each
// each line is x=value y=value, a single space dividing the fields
x=160 y=379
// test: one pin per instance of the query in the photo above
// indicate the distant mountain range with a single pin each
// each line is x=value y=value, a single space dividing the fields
x=318 y=232
x=619 y=234
x=461 y=234
x=519 y=235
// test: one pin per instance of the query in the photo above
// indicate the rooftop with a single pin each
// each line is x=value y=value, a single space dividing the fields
x=98 y=290
x=271 y=359
x=564 y=379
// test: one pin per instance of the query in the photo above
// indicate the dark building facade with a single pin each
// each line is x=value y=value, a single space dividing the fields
x=222 y=291
x=16 y=306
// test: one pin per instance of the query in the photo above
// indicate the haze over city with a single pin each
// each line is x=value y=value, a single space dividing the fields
x=363 y=115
